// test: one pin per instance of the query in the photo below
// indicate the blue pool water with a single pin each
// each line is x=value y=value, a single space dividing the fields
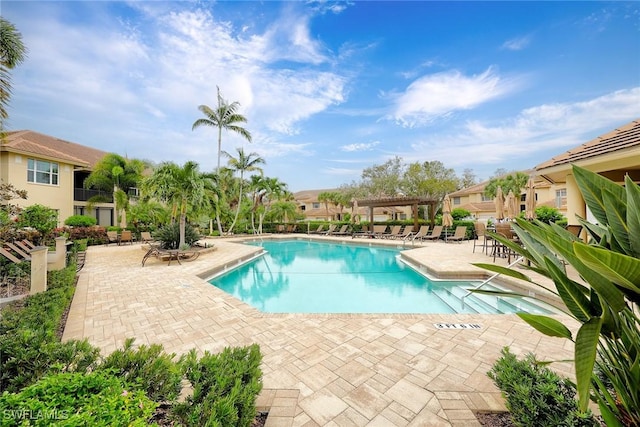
x=302 y=276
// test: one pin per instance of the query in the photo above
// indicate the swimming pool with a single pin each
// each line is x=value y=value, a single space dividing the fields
x=303 y=276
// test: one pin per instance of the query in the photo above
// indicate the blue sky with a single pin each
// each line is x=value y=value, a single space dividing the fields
x=330 y=88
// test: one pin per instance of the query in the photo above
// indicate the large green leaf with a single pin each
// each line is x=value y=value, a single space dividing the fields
x=591 y=185
x=633 y=215
x=572 y=293
x=605 y=288
x=547 y=325
x=621 y=269
x=585 y=356
x=617 y=220
x=535 y=238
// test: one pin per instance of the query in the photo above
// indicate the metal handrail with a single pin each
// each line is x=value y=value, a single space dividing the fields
x=490 y=279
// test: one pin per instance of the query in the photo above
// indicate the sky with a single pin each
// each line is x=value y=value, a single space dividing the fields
x=329 y=88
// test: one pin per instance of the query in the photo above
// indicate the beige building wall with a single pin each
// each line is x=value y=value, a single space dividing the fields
x=58 y=197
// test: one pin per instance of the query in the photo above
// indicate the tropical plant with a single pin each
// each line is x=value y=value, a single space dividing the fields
x=243 y=163
x=39 y=217
x=547 y=214
x=184 y=188
x=459 y=214
x=515 y=182
x=327 y=197
x=605 y=300
x=117 y=175
x=265 y=192
x=226 y=117
x=80 y=221
x=12 y=53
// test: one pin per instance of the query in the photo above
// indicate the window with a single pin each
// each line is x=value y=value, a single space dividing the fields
x=456 y=200
x=561 y=198
x=486 y=198
x=42 y=172
x=316 y=205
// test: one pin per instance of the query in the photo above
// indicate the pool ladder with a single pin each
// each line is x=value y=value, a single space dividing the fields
x=490 y=279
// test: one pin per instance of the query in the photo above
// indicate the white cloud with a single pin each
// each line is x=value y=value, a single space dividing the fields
x=360 y=146
x=518 y=43
x=549 y=128
x=439 y=95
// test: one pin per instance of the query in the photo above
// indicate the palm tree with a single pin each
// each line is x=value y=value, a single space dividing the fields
x=113 y=173
x=224 y=117
x=12 y=53
x=266 y=190
x=243 y=163
x=184 y=188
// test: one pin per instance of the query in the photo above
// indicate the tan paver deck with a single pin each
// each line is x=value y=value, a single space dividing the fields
x=319 y=370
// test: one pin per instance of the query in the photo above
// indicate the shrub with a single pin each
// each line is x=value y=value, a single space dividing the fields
x=77 y=399
x=225 y=388
x=535 y=395
x=169 y=235
x=38 y=217
x=80 y=221
x=29 y=343
x=548 y=215
x=148 y=368
x=459 y=213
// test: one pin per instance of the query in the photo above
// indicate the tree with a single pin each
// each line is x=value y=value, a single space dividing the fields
x=468 y=178
x=224 y=117
x=184 y=188
x=429 y=179
x=12 y=53
x=326 y=197
x=383 y=180
x=515 y=181
x=243 y=163
x=40 y=217
x=116 y=174
x=265 y=191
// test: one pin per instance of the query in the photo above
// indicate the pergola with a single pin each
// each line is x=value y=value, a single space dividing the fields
x=414 y=202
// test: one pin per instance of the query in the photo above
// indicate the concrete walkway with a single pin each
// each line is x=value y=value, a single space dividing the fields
x=319 y=370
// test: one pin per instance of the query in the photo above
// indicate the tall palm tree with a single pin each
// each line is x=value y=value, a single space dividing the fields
x=183 y=187
x=223 y=117
x=243 y=163
x=116 y=174
x=12 y=53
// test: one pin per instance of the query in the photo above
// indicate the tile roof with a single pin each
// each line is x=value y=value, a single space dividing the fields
x=624 y=137
x=38 y=144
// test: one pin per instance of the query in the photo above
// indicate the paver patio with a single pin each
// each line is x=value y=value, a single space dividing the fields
x=319 y=370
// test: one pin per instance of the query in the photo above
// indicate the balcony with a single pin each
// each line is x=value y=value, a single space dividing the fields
x=82 y=195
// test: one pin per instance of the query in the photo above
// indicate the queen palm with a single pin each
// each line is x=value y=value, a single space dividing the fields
x=113 y=173
x=12 y=53
x=223 y=117
x=243 y=163
x=184 y=188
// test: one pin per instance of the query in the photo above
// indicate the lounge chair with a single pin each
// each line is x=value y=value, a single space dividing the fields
x=112 y=237
x=332 y=228
x=574 y=229
x=380 y=231
x=423 y=231
x=344 y=230
x=319 y=230
x=145 y=237
x=435 y=234
x=11 y=257
x=126 y=237
x=459 y=235
x=406 y=234
x=396 y=230
x=364 y=232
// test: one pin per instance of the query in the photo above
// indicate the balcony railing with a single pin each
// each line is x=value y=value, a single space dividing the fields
x=82 y=195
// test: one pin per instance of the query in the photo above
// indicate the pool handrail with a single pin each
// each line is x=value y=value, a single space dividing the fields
x=489 y=279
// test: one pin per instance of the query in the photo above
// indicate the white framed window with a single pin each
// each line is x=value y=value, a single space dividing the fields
x=42 y=172
x=486 y=198
x=456 y=200
x=316 y=205
x=561 y=197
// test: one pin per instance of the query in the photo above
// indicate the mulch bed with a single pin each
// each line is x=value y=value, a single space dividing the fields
x=494 y=419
